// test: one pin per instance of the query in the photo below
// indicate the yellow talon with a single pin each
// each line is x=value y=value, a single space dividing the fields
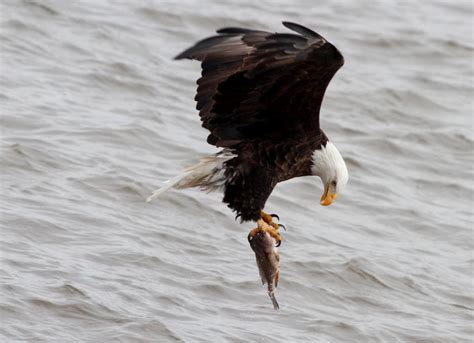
x=271 y=229
x=266 y=224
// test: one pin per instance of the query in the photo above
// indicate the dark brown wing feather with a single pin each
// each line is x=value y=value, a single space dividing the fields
x=258 y=85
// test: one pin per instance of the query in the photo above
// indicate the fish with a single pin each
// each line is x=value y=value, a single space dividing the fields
x=267 y=255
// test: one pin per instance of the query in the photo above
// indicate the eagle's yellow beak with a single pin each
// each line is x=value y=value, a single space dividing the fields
x=329 y=195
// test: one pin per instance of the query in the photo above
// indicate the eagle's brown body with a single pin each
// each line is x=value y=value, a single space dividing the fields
x=259 y=166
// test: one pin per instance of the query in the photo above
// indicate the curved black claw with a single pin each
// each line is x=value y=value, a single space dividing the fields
x=283 y=226
x=273 y=215
x=278 y=243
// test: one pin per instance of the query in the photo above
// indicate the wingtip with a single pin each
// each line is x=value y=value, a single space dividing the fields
x=301 y=29
x=189 y=53
x=181 y=55
x=288 y=24
x=233 y=30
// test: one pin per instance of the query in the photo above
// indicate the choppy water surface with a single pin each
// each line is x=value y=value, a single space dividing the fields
x=95 y=113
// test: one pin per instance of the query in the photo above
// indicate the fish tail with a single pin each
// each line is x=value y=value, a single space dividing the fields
x=273 y=299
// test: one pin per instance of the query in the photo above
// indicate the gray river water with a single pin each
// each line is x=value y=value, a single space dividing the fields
x=95 y=114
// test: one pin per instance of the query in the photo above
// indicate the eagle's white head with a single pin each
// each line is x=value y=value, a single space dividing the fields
x=329 y=165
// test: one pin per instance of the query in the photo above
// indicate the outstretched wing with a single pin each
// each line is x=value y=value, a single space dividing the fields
x=259 y=85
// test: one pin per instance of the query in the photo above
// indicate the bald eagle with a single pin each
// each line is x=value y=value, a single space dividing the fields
x=259 y=96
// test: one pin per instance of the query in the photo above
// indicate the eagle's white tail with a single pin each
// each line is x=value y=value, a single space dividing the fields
x=208 y=174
